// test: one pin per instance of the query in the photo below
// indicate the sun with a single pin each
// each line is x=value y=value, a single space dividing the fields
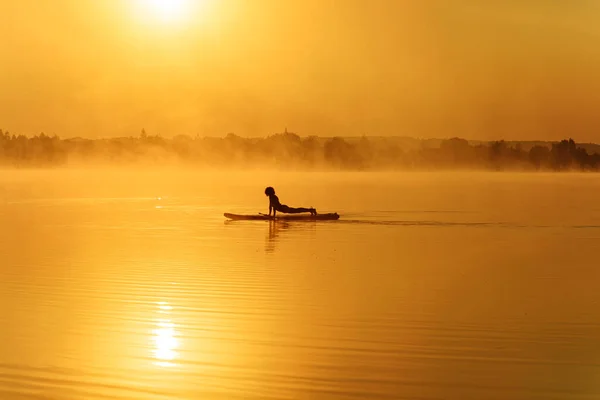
x=168 y=11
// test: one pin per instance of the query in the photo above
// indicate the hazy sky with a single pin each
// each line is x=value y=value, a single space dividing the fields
x=513 y=69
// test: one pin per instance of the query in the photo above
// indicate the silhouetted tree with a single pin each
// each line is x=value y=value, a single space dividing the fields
x=341 y=154
x=562 y=153
x=539 y=156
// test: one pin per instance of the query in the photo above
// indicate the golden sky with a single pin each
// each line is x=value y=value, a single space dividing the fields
x=481 y=69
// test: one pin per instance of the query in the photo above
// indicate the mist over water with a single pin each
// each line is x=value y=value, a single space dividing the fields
x=130 y=284
x=288 y=151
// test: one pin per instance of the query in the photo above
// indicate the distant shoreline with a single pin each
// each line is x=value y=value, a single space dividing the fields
x=289 y=151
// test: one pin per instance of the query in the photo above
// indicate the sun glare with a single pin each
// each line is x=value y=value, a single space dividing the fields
x=168 y=11
x=164 y=338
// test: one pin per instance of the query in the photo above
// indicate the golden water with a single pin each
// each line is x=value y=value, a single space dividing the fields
x=130 y=285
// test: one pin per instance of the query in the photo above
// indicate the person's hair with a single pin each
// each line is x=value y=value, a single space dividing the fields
x=269 y=191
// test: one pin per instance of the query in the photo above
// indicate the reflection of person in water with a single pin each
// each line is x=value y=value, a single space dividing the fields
x=275 y=205
x=279 y=230
x=275 y=227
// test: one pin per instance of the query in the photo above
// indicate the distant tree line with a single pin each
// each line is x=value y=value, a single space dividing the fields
x=290 y=151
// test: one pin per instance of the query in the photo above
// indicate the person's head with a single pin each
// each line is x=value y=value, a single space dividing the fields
x=269 y=191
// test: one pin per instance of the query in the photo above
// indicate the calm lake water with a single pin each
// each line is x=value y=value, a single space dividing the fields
x=131 y=285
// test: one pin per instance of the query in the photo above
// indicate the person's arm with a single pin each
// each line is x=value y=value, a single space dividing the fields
x=270 y=207
x=276 y=205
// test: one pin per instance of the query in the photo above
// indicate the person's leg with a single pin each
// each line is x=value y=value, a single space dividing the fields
x=298 y=210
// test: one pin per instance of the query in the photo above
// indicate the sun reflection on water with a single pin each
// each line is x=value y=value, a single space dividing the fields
x=165 y=339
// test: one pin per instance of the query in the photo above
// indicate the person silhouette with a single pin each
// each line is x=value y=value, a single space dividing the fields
x=275 y=205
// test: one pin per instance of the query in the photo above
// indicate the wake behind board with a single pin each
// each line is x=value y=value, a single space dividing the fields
x=284 y=217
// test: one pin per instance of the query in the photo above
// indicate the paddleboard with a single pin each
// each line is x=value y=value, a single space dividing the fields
x=284 y=217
